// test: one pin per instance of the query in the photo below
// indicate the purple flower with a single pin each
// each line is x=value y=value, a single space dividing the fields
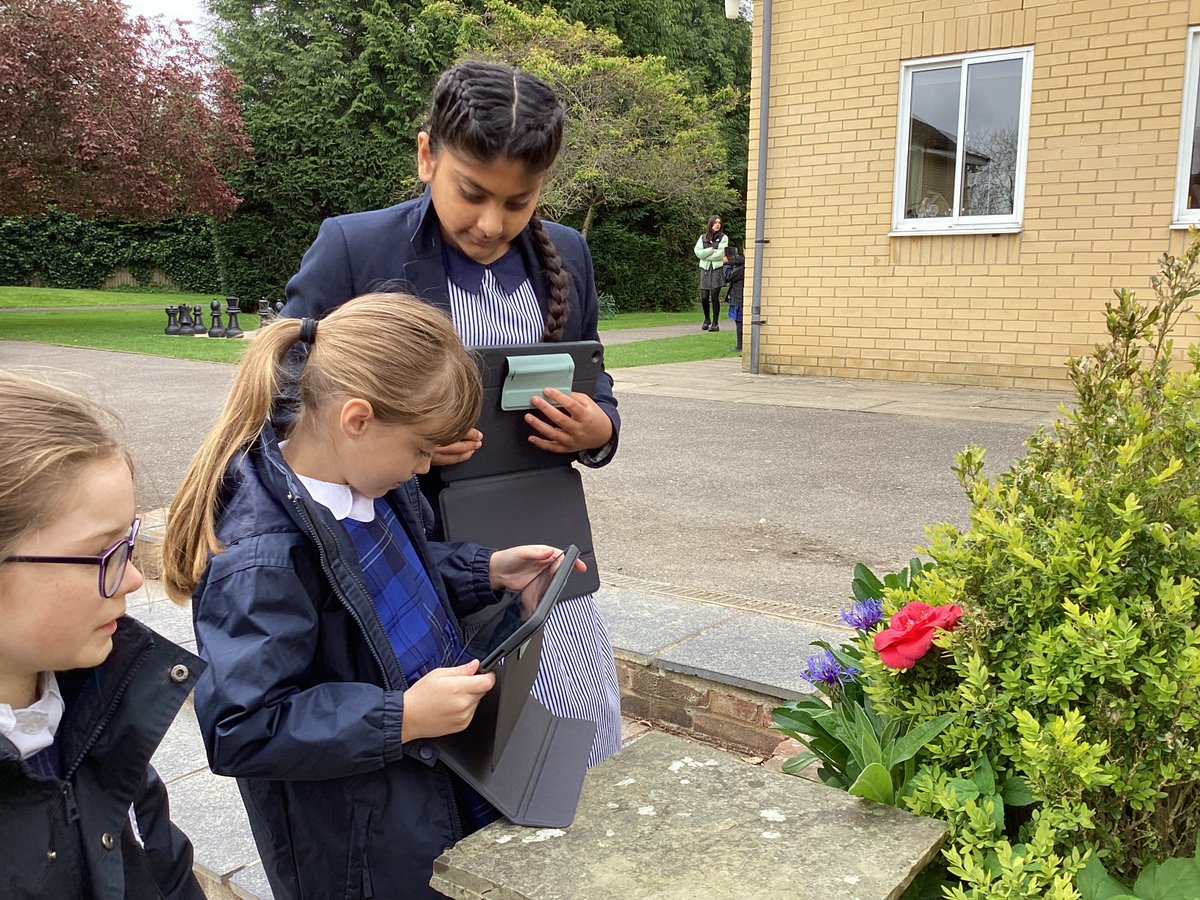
x=864 y=615
x=823 y=668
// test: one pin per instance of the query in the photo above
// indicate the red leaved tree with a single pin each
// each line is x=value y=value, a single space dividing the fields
x=104 y=115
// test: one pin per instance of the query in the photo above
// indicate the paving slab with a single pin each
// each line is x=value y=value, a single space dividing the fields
x=642 y=624
x=251 y=883
x=755 y=652
x=667 y=819
x=208 y=809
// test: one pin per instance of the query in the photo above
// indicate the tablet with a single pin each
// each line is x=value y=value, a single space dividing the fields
x=520 y=614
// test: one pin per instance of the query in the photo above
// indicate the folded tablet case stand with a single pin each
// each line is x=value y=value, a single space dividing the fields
x=523 y=759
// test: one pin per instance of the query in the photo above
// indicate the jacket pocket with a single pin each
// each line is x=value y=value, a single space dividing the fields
x=358 y=868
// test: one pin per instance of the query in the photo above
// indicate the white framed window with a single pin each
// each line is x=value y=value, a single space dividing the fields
x=1187 y=168
x=961 y=143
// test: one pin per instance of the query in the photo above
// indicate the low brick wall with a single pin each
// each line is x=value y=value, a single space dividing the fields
x=715 y=713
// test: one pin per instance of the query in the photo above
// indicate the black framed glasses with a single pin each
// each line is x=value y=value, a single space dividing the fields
x=112 y=562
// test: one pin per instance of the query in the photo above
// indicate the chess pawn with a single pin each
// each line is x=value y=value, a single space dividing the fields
x=172 y=321
x=198 y=320
x=234 y=329
x=217 y=330
x=278 y=307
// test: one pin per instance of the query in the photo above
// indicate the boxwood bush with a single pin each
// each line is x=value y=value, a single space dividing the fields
x=1075 y=668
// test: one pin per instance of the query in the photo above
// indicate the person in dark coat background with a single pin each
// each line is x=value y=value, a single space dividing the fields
x=734 y=273
x=86 y=693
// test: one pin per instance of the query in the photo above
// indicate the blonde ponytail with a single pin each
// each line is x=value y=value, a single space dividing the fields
x=392 y=350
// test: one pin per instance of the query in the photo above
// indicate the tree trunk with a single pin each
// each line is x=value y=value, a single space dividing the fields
x=587 y=220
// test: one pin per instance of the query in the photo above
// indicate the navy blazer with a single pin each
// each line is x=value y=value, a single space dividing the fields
x=400 y=249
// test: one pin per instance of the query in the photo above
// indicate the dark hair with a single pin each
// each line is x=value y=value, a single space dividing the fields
x=712 y=238
x=486 y=111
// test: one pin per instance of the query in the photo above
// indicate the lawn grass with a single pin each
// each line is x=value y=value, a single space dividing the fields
x=136 y=330
x=689 y=348
x=649 y=320
x=51 y=298
x=130 y=330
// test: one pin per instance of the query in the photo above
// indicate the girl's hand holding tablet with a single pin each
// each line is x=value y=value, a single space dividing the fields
x=443 y=701
x=573 y=422
x=459 y=451
x=515 y=567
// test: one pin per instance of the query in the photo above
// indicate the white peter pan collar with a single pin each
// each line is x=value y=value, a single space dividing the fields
x=340 y=499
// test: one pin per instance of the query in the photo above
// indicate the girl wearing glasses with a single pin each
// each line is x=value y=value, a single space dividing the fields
x=329 y=623
x=86 y=693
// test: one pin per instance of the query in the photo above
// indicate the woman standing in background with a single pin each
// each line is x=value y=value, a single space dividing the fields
x=710 y=250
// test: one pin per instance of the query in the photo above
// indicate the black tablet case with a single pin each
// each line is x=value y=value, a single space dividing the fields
x=524 y=760
x=539 y=506
x=511 y=492
x=506 y=446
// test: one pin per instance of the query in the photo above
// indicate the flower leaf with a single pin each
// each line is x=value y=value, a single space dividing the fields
x=874 y=784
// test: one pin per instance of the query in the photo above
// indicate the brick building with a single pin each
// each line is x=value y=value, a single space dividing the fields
x=954 y=189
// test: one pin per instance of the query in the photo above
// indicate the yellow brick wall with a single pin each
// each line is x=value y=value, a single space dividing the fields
x=842 y=298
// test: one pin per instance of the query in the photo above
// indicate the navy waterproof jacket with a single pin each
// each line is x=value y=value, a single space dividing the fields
x=303 y=698
x=400 y=249
x=74 y=836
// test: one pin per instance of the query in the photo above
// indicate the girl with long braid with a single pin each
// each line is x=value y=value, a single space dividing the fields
x=474 y=246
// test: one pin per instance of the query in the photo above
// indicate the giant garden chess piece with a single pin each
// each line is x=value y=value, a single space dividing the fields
x=232 y=309
x=185 y=320
x=217 y=330
x=198 y=320
x=172 y=321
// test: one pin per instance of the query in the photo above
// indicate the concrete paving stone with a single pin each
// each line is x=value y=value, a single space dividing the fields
x=172 y=621
x=641 y=624
x=251 y=883
x=668 y=819
x=757 y=652
x=208 y=809
x=181 y=752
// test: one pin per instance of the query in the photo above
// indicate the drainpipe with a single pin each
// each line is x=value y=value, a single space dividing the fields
x=760 y=199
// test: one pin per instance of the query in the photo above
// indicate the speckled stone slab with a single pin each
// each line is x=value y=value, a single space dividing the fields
x=670 y=819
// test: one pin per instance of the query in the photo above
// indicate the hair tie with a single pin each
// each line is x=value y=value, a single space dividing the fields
x=308 y=330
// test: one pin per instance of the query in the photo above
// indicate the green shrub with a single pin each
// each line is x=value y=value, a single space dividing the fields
x=1076 y=665
x=62 y=250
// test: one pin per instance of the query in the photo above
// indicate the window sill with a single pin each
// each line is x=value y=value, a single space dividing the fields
x=1184 y=226
x=956 y=229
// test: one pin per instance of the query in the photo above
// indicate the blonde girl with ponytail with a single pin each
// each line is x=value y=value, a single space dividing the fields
x=329 y=622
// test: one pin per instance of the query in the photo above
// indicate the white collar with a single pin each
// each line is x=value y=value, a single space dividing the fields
x=32 y=729
x=340 y=499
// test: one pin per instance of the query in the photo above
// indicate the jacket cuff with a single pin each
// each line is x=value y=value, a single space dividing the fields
x=393 y=725
x=481 y=577
x=602 y=455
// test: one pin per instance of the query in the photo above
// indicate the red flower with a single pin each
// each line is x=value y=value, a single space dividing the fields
x=910 y=634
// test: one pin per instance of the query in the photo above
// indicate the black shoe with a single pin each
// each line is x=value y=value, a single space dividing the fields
x=704 y=327
x=714 y=327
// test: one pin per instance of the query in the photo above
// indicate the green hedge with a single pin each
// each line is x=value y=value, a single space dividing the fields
x=61 y=250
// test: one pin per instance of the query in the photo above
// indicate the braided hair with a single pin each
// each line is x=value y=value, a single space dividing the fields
x=486 y=111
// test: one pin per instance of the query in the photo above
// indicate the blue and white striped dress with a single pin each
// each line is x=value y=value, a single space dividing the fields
x=492 y=306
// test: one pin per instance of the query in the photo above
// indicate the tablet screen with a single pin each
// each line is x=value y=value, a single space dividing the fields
x=509 y=623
